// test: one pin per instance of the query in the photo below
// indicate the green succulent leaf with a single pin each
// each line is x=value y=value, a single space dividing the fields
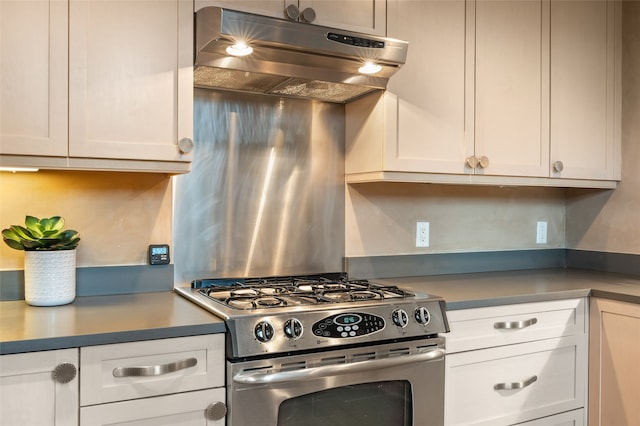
x=56 y=223
x=22 y=232
x=31 y=244
x=51 y=233
x=31 y=222
x=8 y=233
x=13 y=244
x=43 y=225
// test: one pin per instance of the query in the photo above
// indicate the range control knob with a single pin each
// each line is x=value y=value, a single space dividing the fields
x=400 y=318
x=422 y=315
x=293 y=328
x=264 y=331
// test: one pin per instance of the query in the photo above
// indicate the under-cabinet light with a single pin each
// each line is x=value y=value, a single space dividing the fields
x=18 y=169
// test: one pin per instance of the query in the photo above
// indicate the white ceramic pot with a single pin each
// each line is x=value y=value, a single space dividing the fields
x=49 y=277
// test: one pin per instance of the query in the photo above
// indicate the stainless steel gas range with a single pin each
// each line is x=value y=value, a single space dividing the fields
x=319 y=350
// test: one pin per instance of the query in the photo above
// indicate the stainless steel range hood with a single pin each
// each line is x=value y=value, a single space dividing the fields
x=290 y=58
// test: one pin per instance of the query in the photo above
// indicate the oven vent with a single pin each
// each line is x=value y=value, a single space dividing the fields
x=333 y=360
x=422 y=347
x=399 y=352
x=262 y=368
x=364 y=356
x=288 y=366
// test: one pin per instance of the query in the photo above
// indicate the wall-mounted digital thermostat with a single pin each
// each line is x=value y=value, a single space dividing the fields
x=159 y=254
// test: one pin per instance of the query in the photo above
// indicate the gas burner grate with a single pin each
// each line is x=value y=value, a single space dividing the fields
x=271 y=292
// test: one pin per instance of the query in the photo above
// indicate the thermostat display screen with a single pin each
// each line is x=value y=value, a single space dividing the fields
x=159 y=254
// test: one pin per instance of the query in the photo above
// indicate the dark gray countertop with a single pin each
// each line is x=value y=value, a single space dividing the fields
x=100 y=320
x=97 y=320
x=462 y=291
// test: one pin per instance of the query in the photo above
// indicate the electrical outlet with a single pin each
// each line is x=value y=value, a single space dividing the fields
x=422 y=234
x=541 y=233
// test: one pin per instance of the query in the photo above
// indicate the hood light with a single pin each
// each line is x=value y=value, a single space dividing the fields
x=239 y=49
x=369 y=68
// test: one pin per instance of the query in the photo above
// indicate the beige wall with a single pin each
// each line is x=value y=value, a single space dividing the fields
x=381 y=218
x=117 y=214
x=610 y=220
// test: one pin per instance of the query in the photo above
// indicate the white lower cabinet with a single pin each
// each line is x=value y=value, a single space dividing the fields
x=39 y=388
x=614 y=377
x=570 y=418
x=530 y=365
x=177 y=381
x=185 y=409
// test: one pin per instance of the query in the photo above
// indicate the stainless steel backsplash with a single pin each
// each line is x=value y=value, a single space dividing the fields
x=266 y=192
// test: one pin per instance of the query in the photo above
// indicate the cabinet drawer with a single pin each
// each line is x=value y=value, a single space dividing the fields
x=547 y=376
x=155 y=367
x=571 y=418
x=182 y=409
x=503 y=325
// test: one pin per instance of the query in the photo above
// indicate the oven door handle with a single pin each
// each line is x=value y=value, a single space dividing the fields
x=258 y=378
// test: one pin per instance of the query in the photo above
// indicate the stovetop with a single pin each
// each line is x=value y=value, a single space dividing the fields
x=281 y=292
x=279 y=314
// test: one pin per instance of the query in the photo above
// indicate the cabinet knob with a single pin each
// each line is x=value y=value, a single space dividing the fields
x=216 y=411
x=483 y=162
x=558 y=166
x=308 y=15
x=185 y=145
x=64 y=373
x=292 y=12
x=471 y=162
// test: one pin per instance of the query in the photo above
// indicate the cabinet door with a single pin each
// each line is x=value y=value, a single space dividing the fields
x=418 y=124
x=28 y=394
x=614 y=378
x=512 y=86
x=179 y=364
x=490 y=326
x=183 y=409
x=275 y=8
x=583 y=89
x=429 y=88
x=365 y=16
x=511 y=384
x=33 y=77
x=570 y=418
x=131 y=95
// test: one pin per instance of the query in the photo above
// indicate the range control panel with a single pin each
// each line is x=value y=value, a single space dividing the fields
x=348 y=325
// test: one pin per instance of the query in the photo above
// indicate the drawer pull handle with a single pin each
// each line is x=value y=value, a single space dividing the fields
x=154 y=370
x=515 y=324
x=515 y=385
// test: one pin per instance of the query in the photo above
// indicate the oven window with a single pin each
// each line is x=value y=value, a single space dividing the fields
x=371 y=404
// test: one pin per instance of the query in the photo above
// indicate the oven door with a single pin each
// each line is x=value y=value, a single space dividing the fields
x=399 y=384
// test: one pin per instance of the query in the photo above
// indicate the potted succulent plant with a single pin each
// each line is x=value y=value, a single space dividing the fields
x=49 y=261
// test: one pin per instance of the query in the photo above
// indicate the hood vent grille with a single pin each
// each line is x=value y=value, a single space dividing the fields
x=290 y=58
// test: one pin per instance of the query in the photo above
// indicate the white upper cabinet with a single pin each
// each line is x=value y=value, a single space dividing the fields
x=126 y=98
x=129 y=101
x=365 y=16
x=418 y=124
x=495 y=92
x=585 y=89
x=33 y=77
x=511 y=87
